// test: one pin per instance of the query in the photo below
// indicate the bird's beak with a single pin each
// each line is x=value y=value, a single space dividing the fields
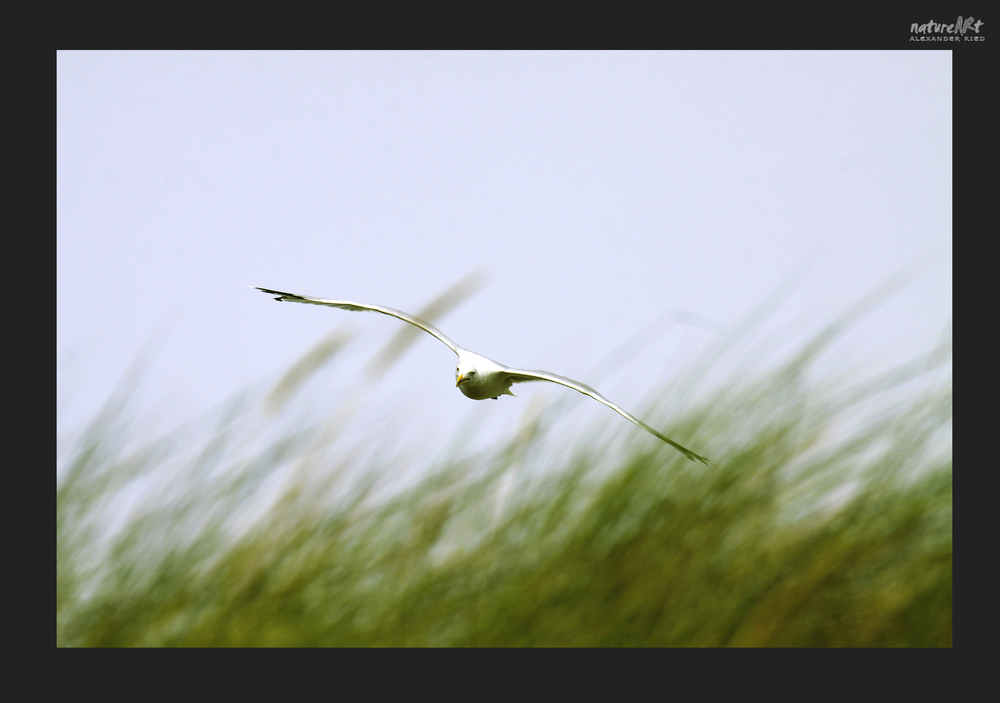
x=458 y=381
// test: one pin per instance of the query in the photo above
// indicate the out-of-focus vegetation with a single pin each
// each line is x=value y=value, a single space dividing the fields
x=828 y=522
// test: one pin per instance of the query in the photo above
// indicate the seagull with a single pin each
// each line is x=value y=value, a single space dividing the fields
x=477 y=376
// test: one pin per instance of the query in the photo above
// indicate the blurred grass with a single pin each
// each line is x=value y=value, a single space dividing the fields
x=827 y=523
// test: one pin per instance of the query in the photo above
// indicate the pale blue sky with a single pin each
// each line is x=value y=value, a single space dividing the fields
x=597 y=190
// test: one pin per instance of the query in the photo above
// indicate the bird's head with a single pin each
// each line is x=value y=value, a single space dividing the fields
x=465 y=374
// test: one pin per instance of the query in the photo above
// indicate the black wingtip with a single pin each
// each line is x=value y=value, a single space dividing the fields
x=281 y=295
x=697 y=457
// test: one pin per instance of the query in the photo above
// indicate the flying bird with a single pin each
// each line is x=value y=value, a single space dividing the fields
x=477 y=376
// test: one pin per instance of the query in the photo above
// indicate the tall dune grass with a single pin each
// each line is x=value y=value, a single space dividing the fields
x=827 y=523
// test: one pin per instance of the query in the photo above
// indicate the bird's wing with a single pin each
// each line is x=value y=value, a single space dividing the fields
x=521 y=376
x=363 y=307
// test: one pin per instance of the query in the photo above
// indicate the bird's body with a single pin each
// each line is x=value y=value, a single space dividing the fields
x=477 y=376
